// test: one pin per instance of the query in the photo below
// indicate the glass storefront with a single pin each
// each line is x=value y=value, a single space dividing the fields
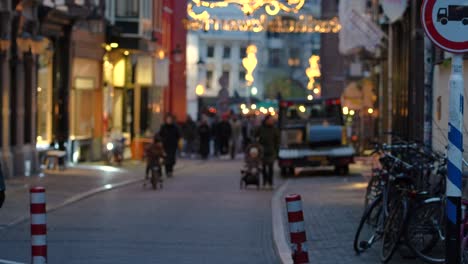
x=44 y=99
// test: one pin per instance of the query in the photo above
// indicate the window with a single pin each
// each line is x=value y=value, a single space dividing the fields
x=227 y=52
x=274 y=59
x=225 y=79
x=209 y=79
x=125 y=8
x=243 y=52
x=210 y=52
x=242 y=76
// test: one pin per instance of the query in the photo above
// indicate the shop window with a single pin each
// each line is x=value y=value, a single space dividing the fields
x=44 y=100
x=83 y=96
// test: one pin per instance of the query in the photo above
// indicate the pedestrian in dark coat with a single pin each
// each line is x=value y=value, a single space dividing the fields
x=170 y=136
x=204 y=134
x=268 y=136
x=215 y=135
x=224 y=131
x=189 y=131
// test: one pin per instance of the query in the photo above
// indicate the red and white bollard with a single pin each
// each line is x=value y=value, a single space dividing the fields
x=38 y=226
x=297 y=229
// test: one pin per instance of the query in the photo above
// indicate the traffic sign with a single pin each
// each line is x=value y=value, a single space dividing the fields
x=446 y=23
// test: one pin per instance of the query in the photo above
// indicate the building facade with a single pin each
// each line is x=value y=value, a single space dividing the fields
x=212 y=55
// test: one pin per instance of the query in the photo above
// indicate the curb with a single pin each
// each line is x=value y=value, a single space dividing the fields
x=281 y=246
x=82 y=196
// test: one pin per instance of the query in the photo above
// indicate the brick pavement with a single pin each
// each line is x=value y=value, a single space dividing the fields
x=201 y=216
x=61 y=186
x=333 y=206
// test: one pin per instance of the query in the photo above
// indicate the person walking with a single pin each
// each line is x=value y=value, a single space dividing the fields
x=224 y=132
x=204 y=134
x=268 y=137
x=189 y=130
x=236 y=127
x=170 y=136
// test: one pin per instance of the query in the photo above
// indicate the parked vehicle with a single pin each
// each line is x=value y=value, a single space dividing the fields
x=313 y=134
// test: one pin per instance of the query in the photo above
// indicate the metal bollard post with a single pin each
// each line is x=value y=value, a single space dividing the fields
x=38 y=226
x=297 y=229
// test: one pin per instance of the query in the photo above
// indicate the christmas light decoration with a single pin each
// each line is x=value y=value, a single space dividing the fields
x=250 y=63
x=313 y=72
x=303 y=24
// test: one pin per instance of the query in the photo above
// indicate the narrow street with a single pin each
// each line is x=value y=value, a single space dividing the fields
x=200 y=216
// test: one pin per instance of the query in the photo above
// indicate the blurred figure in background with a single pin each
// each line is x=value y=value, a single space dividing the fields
x=269 y=137
x=236 y=127
x=204 y=134
x=189 y=132
x=170 y=136
x=224 y=132
x=247 y=130
x=215 y=135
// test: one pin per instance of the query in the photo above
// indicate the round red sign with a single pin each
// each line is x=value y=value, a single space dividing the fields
x=446 y=23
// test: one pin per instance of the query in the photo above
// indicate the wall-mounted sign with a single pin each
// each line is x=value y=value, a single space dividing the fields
x=394 y=9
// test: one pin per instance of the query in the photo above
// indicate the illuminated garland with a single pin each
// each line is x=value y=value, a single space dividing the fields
x=272 y=7
x=304 y=24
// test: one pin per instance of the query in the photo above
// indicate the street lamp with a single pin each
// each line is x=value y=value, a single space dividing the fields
x=254 y=90
x=370 y=111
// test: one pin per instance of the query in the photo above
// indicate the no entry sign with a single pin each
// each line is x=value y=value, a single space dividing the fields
x=446 y=23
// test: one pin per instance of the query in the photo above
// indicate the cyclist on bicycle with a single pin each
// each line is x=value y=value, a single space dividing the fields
x=154 y=154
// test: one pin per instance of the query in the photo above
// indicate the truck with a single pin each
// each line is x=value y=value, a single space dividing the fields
x=453 y=13
x=313 y=134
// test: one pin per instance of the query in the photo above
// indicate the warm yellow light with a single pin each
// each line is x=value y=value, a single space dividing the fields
x=199 y=90
x=345 y=110
x=114 y=45
x=271 y=109
x=310 y=97
x=302 y=109
x=243 y=106
x=370 y=111
x=313 y=71
x=316 y=90
x=250 y=63
x=126 y=53
x=119 y=73
x=273 y=113
x=351 y=112
x=254 y=91
x=245 y=111
x=161 y=54
x=108 y=48
x=253 y=106
x=264 y=111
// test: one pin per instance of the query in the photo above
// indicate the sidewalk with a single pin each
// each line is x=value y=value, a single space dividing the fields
x=332 y=207
x=71 y=185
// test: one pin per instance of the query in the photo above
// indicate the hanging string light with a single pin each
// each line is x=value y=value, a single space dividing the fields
x=302 y=24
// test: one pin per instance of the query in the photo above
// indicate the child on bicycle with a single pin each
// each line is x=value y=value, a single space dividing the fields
x=154 y=154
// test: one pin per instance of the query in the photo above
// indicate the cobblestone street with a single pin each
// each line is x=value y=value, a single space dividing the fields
x=200 y=216
x=333 y=206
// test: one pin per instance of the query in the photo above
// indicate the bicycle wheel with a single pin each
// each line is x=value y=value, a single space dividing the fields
x=373 y=190
x=370 y=227
x=393 y=228
x=425 y=231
